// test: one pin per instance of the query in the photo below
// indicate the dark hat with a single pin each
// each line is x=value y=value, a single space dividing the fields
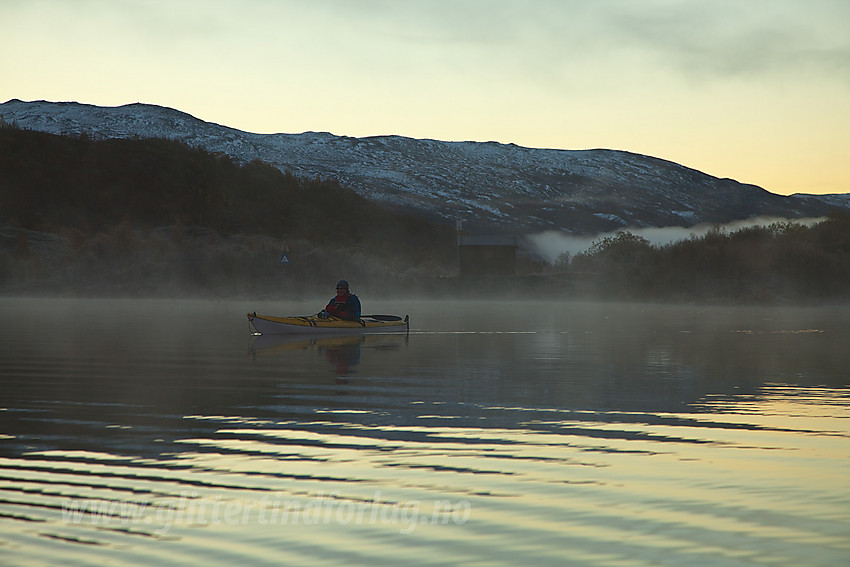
x=342 y=284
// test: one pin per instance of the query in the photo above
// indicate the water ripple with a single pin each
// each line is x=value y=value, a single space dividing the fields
x=586 y=444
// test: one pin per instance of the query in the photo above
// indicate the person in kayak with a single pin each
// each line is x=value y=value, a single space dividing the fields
x=344 y=305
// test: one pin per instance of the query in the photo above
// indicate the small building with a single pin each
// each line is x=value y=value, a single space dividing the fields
x=487 y=255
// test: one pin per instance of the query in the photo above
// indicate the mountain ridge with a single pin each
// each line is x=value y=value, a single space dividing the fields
x=494 y=187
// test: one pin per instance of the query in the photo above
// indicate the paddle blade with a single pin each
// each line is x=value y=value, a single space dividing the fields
x=382 y=317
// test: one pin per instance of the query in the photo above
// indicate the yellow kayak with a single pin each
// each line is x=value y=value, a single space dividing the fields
x=312 y=324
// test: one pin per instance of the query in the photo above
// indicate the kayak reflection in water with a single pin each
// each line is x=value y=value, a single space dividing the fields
x=344 y=305
x=343 y=355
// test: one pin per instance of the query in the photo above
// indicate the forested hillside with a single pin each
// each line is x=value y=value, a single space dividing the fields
x=49 y=182
x=132 y=211
x=152 y=216
x=781 y=261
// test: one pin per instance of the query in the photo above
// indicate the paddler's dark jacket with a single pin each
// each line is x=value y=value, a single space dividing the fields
x=344 y=307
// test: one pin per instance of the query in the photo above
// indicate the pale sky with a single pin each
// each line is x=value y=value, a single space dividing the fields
x=754 y=90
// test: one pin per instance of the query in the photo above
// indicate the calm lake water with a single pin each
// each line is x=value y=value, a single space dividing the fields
x=161 y=432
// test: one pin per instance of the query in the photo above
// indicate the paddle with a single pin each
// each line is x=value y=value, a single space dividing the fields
x=324 y=315
x=382 y=317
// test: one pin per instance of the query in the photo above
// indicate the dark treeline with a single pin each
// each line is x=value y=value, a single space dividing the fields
x=49 y=181
x=111 y=202
x=153 y=216
x=762 y=263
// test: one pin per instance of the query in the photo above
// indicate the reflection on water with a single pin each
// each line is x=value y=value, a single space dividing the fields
x=341 y=352
x=162 y=432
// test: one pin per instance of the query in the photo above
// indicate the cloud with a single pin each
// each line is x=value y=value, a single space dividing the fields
x=749 y=40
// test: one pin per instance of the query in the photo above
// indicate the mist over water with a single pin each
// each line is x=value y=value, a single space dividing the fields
x=543 y=433
x=552 y=243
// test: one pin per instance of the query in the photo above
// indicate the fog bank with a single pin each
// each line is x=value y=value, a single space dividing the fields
x=552 y=243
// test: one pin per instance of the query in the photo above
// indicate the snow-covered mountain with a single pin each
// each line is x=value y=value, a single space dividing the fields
x=493 y=187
